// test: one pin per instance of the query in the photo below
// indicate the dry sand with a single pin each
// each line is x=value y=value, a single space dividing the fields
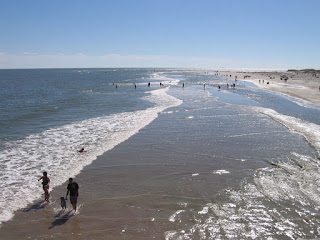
x=303 y=85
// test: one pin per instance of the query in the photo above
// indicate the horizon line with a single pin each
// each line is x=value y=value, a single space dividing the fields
x=221 y=69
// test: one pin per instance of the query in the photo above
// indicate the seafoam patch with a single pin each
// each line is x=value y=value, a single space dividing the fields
x=310 y=131
x=174 y=217
x=220 y=172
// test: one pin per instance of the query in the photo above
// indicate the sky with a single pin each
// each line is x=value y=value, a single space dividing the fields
x=217 y=34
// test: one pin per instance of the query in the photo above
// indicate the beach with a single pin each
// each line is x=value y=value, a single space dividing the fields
x=229 y=163
x=301 y=84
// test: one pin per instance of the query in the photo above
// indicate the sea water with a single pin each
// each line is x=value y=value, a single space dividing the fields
x=47 y=115
x=281 y=200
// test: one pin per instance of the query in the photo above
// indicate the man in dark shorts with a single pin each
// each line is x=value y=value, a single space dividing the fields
x=73 y=188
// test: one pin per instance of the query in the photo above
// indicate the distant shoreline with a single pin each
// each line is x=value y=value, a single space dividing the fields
x=303 y=84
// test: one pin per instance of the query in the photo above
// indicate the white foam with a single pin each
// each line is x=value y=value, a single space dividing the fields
x=174 y=217
x=284 y=198
x=205 y=210
x=220 y=172
x=163 y=79
x=310 y=131
x=54 y=150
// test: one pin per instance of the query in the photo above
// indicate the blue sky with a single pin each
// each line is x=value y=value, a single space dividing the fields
x=177 y=33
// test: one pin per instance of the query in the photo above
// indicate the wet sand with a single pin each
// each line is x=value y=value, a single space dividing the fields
x=138 y=189
x=302 y=85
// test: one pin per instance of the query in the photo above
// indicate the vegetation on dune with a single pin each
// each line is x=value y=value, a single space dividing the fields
x=308 y=70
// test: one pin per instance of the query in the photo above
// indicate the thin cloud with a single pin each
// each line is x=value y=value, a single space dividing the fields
x=80 y=60
x=30 y=53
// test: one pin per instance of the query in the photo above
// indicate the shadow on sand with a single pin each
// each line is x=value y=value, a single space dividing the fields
x=61 y=218
x=35 y=207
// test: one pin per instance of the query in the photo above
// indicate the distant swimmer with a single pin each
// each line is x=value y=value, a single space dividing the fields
x=149 y=84
x=182 y=84
x=219 y=87
x=82 y=150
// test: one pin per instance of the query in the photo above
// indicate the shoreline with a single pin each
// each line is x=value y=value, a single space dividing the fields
x=302 y=85
x=178 y=168
x=139 y=189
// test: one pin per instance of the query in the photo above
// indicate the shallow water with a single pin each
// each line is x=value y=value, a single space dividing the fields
x=50 y=114
x=238 y=163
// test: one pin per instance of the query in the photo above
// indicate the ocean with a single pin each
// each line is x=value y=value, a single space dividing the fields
x=208 y=160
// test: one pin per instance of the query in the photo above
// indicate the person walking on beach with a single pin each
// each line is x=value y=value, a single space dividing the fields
x=73 y=188
x=45 y=185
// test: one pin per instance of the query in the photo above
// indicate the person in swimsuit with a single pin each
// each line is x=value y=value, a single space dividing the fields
x=46 y=193
x=45 y=185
